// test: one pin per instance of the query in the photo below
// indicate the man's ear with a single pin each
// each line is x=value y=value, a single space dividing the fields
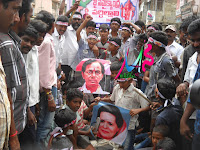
x=23 y=18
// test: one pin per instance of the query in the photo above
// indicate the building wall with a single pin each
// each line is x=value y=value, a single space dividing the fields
x=164 y=15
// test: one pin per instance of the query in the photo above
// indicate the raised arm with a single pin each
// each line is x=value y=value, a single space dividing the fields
x=78 y=31
x=73 y=8
x=137 y=29
x=62 y=6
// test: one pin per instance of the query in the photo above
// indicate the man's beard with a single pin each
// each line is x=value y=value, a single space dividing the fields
x=75 y=26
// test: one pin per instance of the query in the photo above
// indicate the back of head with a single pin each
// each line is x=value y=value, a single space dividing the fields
x=30 y=31
x=39 y=25
x=26 y=7
x=143 y=37
x=117 y=20
x=187 y=22
x=104 y=27
x=162 y=129
x=166 y=144
x=116 y=40
x=167 y=88
x=140 y=24
x=62 y=18
x=46 y=17
x=194 y=27
x=90 y=24
x=159 y=26
x=74 y=93
x=64 y=116
x=160 y=36
x=71 y=84
x=115 y=66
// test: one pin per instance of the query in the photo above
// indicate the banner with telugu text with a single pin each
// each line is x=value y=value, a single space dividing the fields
x=103 y=11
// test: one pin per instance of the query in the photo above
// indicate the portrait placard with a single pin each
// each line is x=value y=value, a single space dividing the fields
x=111 y=122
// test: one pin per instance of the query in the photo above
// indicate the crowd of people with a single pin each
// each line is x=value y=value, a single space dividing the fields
x=43 y=107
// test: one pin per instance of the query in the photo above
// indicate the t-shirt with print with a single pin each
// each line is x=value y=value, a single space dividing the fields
x=129 y=99
x=81 y=110
x=163 y=67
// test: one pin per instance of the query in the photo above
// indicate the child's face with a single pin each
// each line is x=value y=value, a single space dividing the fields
x=113 y=74
x=74 y=104
x=112 y=47
x=140 y=43
x=104 y=34
x=125 y=33
x=124 y=85
x=156 y=136
x=91 y=42
x=90 y=30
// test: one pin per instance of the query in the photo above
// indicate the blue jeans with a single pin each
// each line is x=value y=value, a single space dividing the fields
x=196 y=142
x=46 y=118
x=129 y=142
x=143 y=86
x=144 y=137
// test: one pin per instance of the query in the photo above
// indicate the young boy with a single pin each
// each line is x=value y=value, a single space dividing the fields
x=103 y=42
x=128 y=42
x=89 y=28
x=113 y=53
x=170 y=109
x=65 y=120
x=125 y=95
x=86 y=49
x=73 y=102
x=115 y=24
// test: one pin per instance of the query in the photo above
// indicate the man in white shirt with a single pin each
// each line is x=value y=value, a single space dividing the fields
x=59 y=38
x=174 y=48
x=70 y=45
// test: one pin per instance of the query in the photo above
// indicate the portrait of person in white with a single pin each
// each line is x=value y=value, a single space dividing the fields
x=92 y=73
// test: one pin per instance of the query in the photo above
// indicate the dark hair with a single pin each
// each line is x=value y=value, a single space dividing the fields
x=78 y=13
x=140 y=24
x=90 y=24
x=113 y=110
x=153 y=25
x=167 y=88
x=5 y=3
x=143 y=37
x=46 y=17
x=62 y=18
x=104 y=27
x=30 y=31
x=187 y=22
x=159 y=26
x=39 y=25
x=162 y=129
x=194 y=27
x=64 y=116
x=115 y=66
x=124 y=72
x=71 y=84
x=116 y=39
x=93 y=33
x=26 y=7
x=128 y=26
x=90 y=61
x=161 y=37
x=74 y=93
x=166 y=144
x=116 y=19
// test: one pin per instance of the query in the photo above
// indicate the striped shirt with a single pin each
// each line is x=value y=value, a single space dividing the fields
x=5 y=114
x=81 y=110
x=22 y=91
